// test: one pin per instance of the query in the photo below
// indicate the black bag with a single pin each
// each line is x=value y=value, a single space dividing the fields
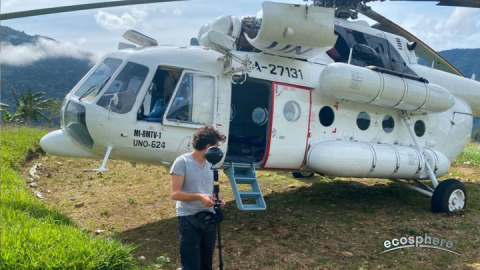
x=203 y=221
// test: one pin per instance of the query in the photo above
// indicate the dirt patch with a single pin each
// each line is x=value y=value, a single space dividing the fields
x=314 y=223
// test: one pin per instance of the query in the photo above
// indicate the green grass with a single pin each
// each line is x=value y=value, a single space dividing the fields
x=470 y=155
x=34 y=236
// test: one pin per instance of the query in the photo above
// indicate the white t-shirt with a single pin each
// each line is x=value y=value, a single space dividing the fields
x=197 y=179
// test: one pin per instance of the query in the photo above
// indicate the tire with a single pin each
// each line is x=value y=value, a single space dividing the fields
x=450 y=195
x=302 y=174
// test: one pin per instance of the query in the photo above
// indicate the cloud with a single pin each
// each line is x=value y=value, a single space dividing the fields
x=460 y=30
x=177 y=11
x=82 y=41
x=127 y=21
x=8 y=3
x=260 y=13
x=28 y=53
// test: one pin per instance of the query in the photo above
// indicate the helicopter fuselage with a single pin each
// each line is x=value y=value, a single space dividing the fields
x=287 y=141
x=144 y=104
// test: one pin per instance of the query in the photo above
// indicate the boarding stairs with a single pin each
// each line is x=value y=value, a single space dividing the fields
x=244 y=174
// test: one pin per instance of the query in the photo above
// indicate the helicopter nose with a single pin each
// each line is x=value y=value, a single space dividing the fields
x=58 y=143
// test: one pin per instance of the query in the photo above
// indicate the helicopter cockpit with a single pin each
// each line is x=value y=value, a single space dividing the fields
x=129 y=92
x=158 y=95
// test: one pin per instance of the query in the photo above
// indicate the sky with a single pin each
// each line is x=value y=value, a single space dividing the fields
x=99 y=31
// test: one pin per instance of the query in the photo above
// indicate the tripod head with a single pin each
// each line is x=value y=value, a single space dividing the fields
x=214 y=155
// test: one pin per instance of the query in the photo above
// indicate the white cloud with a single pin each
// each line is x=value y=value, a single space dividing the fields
x=260 y=13
x=113 y=22
x=128 y=20
x=82 y=41
x=8 y=3
x=460 y=30
x=177 y=11
x=26 y=54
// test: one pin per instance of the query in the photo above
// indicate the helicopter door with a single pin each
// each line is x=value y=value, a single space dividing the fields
x=289 y=127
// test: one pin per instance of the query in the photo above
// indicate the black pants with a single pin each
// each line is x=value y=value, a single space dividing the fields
x=196 y=247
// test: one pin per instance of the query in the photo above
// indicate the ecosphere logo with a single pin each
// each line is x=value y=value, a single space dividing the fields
x=419 y=241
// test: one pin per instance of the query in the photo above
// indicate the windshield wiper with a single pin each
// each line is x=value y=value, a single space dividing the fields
x=90 y=90
x=103 y=84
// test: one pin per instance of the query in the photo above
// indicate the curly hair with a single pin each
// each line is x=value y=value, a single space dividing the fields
x=207 y=135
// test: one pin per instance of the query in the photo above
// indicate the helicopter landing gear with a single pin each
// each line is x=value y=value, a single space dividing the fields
x=105 y=159
x=302 y=174
x=449 y=196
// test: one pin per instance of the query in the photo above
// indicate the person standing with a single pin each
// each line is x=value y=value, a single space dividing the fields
x=192 y=188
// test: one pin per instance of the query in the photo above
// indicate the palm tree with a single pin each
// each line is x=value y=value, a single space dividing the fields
x=31 y=106
x=7 y=116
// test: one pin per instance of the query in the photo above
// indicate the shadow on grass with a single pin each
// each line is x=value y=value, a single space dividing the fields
x=323 y=210
x=284 y=210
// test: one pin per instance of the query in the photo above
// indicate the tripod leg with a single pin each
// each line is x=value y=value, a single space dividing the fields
x=220 y=261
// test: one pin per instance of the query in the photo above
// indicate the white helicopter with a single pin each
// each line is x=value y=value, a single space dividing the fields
x=303 y=90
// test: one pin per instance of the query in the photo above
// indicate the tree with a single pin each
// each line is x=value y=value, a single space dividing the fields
x=7 y=116
x=32 y=106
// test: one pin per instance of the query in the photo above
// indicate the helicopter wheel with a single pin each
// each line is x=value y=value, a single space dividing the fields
x=449 y=196
x=302 y=174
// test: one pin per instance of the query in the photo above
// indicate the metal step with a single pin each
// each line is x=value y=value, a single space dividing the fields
x=244 y=173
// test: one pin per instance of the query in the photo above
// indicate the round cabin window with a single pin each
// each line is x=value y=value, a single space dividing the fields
x=388 y=124
x=260 y=116
x=291 y=111
x=419 y=128
x=327 y=116
x=363 y=121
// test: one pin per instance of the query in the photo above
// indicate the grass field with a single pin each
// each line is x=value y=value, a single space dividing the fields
x=309 y=223
x=35 y=235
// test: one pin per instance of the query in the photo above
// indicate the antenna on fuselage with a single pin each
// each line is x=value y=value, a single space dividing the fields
x=473 y=76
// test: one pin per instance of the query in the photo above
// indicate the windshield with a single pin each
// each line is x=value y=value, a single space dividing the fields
x=124 y=88
x=90 y=88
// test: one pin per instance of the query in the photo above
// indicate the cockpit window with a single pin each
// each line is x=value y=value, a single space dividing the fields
x=123 y=90
x=194 y=100
x=90 y=88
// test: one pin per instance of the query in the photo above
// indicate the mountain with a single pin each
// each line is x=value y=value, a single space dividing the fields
x=57 y=75
x=56 y=68
x=466 y=60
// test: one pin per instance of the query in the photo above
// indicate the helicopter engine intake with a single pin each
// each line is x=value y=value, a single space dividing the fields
x=363 y=85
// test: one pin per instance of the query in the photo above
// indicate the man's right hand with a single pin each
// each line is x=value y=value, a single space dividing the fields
x=207 y=200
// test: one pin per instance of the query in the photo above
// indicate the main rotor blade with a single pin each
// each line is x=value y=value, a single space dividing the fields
x=452 y=3
x=422 y=49
x=44 y=11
